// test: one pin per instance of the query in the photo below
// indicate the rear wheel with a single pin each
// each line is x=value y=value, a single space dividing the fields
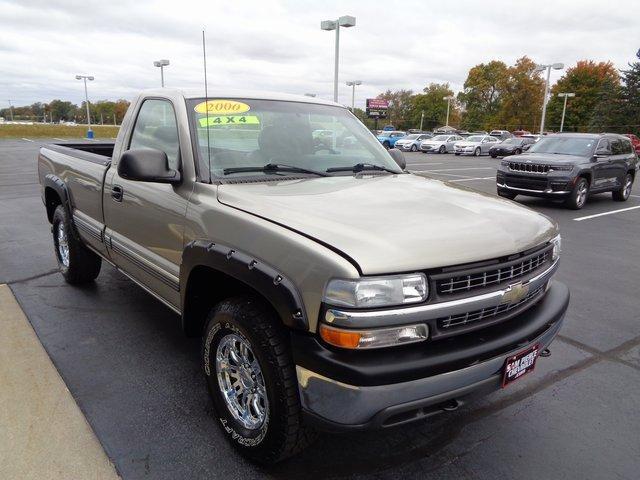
x=76 y=262
x=622 y=195
x=252 y=380
x=477 y=152
x=579 y=194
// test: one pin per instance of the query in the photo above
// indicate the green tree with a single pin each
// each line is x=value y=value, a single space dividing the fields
x=630 y=95
x=400 y=108
x=61 y=110
x=434 y=107
x=593 y=83
x=481 y=98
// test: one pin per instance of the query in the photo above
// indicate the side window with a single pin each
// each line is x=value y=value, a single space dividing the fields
x=603 y=145
x=156 y=128
x=616 y=147
x=626 y=146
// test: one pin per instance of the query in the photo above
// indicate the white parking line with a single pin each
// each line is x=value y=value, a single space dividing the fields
x=635 y=196
x=27 y=140
x=470 y=179
x=59 y=139
x=579 y=219
x=424 y=163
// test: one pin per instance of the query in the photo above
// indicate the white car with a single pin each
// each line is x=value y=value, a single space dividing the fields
x=411 y=142
x=475 y=145
x=440 y=144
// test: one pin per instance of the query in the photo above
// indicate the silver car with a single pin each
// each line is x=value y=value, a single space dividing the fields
x=475 y=145
x=440 y=144
x=411 y=142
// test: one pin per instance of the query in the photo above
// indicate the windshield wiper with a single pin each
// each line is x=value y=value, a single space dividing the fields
x=274 y=168
x=360 y=167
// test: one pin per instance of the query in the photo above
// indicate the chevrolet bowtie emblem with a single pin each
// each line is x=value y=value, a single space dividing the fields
x=515 y=293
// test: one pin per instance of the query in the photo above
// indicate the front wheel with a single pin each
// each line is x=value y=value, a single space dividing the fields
x=442 y=149
x=252 y=380
x=507 y=194
x=622 y=195
x=386 y=145
x=579 y=194
x=414 y=148
x=76 y=262
x=477 y=152
x=518 y=151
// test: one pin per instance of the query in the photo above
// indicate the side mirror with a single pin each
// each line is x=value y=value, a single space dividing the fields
x=398 y=156
x=602 y=153
x=147 y=165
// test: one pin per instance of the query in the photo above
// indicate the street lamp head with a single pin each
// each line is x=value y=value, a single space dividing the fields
x=328 y=25
x=539 y=68
x=450 y=97
x=78 y=77
x=347 y=21
x=557 y=66
x=90 y=78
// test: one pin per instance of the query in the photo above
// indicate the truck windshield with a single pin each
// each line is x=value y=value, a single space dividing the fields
x=581 y=147
x=244 y=133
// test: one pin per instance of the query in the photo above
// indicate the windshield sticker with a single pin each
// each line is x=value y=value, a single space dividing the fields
x=222 y=107
x=229 y=120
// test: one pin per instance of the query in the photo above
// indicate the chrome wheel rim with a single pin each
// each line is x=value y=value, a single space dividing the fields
x=582 y=193
x=477 y=152
x=627 y=186
x=63 y=244
x=241 y=382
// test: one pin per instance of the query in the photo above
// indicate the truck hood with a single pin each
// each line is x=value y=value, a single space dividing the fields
x=395 y=223
x=550 y=158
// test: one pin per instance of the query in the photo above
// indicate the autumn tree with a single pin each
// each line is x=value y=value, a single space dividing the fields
x=521 y=93
x=593 y=83
x=481 y=97
x=434 y=107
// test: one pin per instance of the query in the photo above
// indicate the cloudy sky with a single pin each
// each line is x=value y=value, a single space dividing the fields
x=278 y=45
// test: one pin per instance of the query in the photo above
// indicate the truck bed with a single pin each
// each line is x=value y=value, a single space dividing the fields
x=91 y=151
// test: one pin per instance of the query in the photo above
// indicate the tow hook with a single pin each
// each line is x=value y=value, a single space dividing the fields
x=451 y=405
x=545 y=353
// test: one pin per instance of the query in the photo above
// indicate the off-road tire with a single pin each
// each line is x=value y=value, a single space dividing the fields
x=622 y=195
x=83 y=264
x=575 y=200
x=283 y=433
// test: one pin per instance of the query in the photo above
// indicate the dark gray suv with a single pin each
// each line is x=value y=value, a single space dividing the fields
x=571 y=166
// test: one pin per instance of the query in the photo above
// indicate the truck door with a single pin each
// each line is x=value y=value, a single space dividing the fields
x=603 y=175
x=619 y=159
x=145 y=220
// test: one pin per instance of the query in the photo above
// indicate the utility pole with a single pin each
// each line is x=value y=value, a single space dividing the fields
x=564 y=107
x=448 y=99
x=421 y=119
x=10 y=110
x=542 y=68
x=328 y=25
x=86 y=97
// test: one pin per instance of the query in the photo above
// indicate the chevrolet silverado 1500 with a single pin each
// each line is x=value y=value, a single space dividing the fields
x=332 y=289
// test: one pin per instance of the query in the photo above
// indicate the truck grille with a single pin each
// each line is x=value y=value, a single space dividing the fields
x=526 y=182
x=493 y=275
x=485 y=313
x=528 y=167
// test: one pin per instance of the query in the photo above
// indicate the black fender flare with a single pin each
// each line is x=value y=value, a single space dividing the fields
x=273 y=285
x=57 y=185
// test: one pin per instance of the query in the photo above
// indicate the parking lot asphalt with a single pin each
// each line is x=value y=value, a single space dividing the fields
x=137 y=379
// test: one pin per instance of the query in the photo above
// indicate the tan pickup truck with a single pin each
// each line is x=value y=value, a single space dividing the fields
x=332 y=289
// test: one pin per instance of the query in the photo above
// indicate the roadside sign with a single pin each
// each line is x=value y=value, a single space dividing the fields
x=377 y=108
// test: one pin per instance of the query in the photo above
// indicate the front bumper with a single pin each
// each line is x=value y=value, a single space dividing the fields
x=379 y=389
x=545 y=186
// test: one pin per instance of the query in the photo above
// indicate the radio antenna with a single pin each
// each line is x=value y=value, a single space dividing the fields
x=206 y=100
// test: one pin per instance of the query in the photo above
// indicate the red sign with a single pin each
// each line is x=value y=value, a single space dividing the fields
x=377 y=104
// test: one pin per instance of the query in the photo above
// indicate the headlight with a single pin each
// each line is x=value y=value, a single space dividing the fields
x=371 y=292
x=557 y=248
x=374 y=338
x=504 y=163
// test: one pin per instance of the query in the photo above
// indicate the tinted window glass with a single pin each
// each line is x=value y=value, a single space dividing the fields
x=156 y=128
x=565 y=145
x=616 y=147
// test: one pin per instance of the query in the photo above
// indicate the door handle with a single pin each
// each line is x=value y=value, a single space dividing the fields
x=117 y=193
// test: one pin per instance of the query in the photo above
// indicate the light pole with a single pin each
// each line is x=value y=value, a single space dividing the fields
x=542 y=68
x=344 y=21
x=421 y=119
x=86 y=98
x=448 y=99
x=564 y=108
x=353 y=84
x=161 y=64
x=10 y=110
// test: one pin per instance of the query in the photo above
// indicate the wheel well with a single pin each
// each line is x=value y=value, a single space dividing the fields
x=632 y=172
x=205 y=288
x=51 y=201
x=586 y=176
